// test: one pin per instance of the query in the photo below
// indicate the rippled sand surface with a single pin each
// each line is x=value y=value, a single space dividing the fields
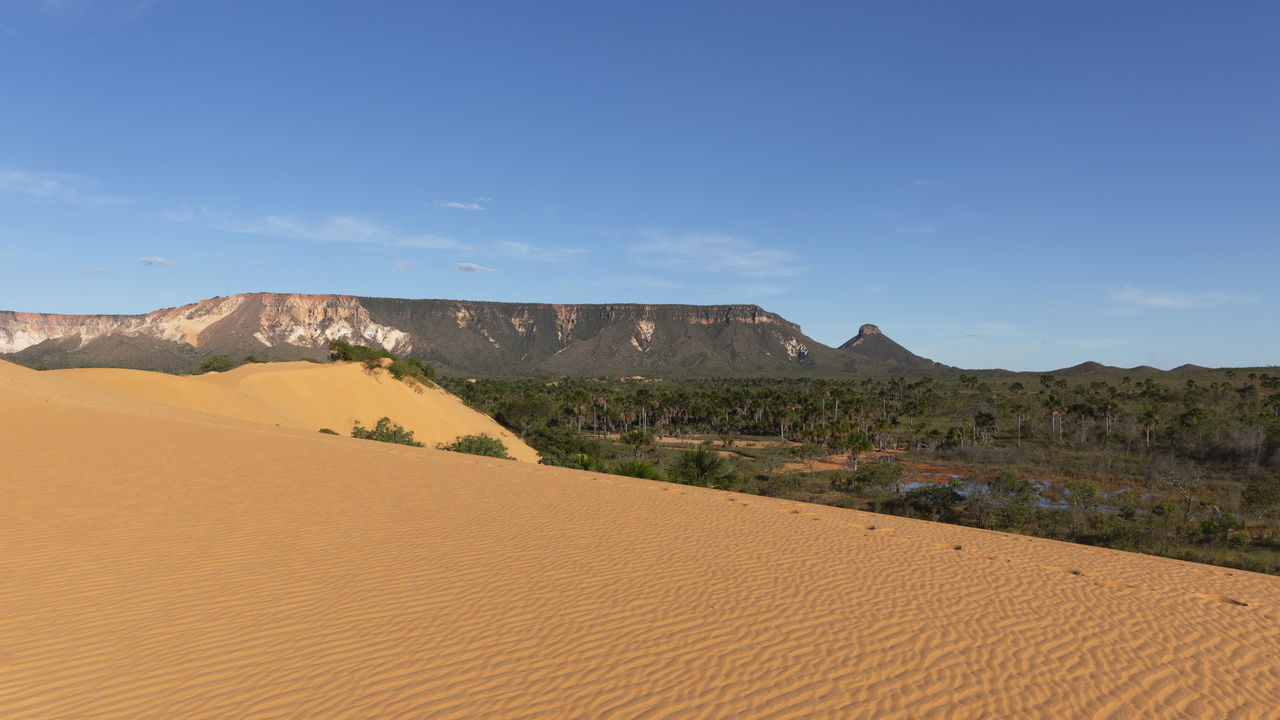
x=159 y=562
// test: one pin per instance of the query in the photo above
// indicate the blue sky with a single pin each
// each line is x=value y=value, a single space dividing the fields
x=996 y=184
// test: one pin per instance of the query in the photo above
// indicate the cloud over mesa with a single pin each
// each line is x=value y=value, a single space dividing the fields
x=353 y=229
x=474 y=206
x=713 y=252
x=1137 y=298
x=534 y=253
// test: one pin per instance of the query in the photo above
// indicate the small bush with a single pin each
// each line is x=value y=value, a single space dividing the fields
x=937 y=501
x=478 y=445
x=328 y=431
x=637 y=469
x=217 y=363
x=385 y=431
x=342 y=350
x=872 y=477
x=704 y=466
x=411 y=370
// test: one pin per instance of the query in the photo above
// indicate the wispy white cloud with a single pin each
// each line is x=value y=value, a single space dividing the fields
x=55 y=187
x=534 y=253
x=402 y=265
x=476 y=205
x=352 y=229
x=713 y=252
x=153 y=260
x=1134 y=298
x=474 y=268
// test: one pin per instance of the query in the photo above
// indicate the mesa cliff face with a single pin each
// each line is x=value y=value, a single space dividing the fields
x=459 y=336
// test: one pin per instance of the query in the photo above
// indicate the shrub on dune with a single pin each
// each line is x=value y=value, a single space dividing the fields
x=481 y=444
x=637 y=469
x=385 y=431
x=217 y=363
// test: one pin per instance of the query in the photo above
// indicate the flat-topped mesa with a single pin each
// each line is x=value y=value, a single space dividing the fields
x=869 y=329
x=459 y=336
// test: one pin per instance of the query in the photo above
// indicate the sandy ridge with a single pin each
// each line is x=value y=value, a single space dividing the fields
x=309 y=396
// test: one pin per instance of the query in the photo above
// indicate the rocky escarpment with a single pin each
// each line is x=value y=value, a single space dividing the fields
x=459 y=336
x=269 y=326
x=596 y=339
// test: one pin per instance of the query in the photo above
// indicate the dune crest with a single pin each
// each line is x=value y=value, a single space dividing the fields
x=309 y=396
x=163 y=562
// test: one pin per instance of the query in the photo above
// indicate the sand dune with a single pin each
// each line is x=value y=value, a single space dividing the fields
x=158 y=562
x=309 y=396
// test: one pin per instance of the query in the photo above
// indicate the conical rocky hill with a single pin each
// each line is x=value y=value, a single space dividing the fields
x=872 y=346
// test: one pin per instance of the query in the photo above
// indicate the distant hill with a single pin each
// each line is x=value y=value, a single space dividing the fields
x=460 y=337
x=872 y=346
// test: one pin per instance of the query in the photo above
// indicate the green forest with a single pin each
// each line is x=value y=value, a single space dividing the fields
x=1181 y=464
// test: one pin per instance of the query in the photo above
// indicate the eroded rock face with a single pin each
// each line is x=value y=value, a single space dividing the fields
x=19 y=331
x=459 y=336
x=269 y=319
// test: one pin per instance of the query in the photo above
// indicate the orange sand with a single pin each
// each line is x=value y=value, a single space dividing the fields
x=308 y=396
x=157 y=562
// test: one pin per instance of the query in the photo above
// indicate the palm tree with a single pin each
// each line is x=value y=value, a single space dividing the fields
x=1149 y=417
x=703 y=466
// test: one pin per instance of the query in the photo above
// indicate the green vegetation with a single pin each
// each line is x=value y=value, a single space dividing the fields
x=407 y=370
x=481 y=444
x=412 y=369
x=638 y=439
x=706 y=467
x=343 y=350
x=385 y=431
x=564 y=446
x=328 y=431
x=216 y=363
x=637 y=468
x=1184 y=464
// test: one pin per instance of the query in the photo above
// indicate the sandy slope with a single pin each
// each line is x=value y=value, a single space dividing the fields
x=156 y=562
x=309 y=396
